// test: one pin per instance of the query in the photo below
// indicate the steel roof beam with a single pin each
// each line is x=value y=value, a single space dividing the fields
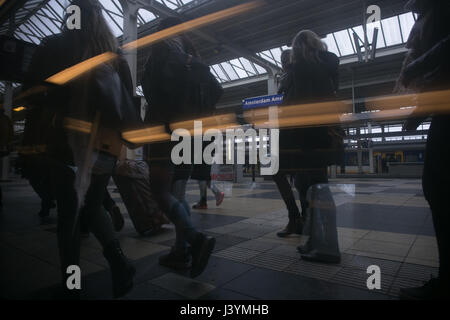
x=163 y=11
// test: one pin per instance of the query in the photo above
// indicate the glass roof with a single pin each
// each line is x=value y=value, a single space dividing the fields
x=48 y=19
x=44 y=18
x=392 y=31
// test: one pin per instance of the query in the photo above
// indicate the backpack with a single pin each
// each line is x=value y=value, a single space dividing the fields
x=175 y=90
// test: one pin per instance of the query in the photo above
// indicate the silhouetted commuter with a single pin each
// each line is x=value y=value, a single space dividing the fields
x=65 y=154
x=202 y=173
x=427 y=68
x=287 y=141
x=171 y=95
x=39 y=181
x=6 y=138
x=314 y=79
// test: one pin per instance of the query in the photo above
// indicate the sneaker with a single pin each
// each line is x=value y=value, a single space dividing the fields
x=431 y=290
x=201 y=251
x=200 y=206
x=219 y=198
x=175 y=260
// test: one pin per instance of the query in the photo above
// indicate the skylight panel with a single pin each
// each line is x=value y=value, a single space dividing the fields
x=344 y=43
x=391 y=29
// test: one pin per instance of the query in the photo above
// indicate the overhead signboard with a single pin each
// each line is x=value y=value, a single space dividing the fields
x=261 y=102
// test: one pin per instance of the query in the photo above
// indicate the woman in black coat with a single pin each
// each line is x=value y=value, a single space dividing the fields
x=308 y=151
x=427 y=68
x=65 y=150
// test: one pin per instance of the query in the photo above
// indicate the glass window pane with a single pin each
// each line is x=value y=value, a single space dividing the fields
x=248 y=66
x=407 y=23
x=230 y=71
x=220 y=73
x=331 y=44
x=146 y=15
x=344 y=43
x=391 y=31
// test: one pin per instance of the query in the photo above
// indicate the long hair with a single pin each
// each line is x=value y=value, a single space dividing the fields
x=286 y=59
x=306 y=46
x=187 y=42
x=94 y=37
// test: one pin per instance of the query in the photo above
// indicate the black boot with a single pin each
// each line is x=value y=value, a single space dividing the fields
x=295 y=226
x=201 y=251
x=122 y=271
x=176 y=260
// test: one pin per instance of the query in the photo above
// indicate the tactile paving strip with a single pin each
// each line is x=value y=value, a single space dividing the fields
x=387 y=267
x=313 y=270
x=417 y=272
x=237 y=254
x=358 y=278
x=253 y=232
x=257 y=245
x=271 y=261
x=402 y=283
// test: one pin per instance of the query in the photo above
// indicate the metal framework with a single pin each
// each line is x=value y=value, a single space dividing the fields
x=40 y=18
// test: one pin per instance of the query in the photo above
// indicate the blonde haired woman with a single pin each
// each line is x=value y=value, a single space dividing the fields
x=314 y=78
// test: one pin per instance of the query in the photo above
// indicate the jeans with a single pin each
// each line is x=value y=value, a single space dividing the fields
x=168 y=185
x=98 y=219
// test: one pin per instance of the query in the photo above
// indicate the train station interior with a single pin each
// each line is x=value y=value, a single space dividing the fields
x=381 y=214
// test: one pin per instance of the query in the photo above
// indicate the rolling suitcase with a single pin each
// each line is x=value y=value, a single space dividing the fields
x=132 y=180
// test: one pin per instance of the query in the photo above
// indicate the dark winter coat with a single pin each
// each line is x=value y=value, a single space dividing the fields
x=309 y=82
x=427 y=68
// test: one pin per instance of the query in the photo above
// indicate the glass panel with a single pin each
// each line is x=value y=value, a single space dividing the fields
x=247 y=65
x=407 y=23
x=220 y=73
x=230 y=71
x=391 y=31
x=331 y=44
x=146 y=15
x=344 y=43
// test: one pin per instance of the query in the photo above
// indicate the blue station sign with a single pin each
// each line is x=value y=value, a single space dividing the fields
x=264 y=101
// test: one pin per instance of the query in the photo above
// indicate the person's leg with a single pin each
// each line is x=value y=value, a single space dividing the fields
x=217 y=193
x=161 y=176
x=179 y=192
x=100 y=224
x=323 y=243
x=302 y=183
x=114 y=211
x=294 y=225
x=41 y=185
x=203 y=203
x=63 y=179
x=108 y=202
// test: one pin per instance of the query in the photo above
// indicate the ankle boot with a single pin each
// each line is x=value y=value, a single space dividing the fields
x=295 y=226
x=122 y=271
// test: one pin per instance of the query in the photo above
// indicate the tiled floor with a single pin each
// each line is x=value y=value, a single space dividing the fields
x=380 y=222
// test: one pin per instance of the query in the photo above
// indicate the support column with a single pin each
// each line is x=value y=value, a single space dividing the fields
x=7 y=106
x=129 y=35
x=372 y=167
x=360 y=166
